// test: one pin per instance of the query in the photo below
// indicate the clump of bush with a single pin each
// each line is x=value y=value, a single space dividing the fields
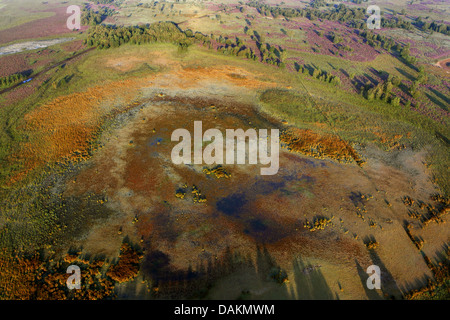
x=127 y=267
x=318 y=224
x=372 y=245
x=279 y=275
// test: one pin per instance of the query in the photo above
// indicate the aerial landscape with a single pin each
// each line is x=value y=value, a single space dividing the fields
x=108 y=110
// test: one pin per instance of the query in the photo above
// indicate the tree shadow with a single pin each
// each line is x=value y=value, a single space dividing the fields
x=310 y=68
x=441 y=137
x=371 y=294
x=196 y=282
x=441 y=255
x=437 y=102
x=372 y=80
x=404 y=88
x=405 y=74
x=441 y=96
x=310 y=284
x=416 y=284
x=356 y=198
x=334 y=68
x=358 y=82
x=389 y=287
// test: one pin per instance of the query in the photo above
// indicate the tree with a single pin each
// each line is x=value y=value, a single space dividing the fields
x=395 y=101
x=396 y=81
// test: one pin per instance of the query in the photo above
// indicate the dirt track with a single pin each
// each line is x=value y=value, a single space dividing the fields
x=445 y=64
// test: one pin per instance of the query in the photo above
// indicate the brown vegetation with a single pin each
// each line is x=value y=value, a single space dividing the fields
x=127 y=267
x=372 y=245
x=63 y=130
x=37 y=278
x=318 y=224
x=318 y=146
x=437 y=288
x=431 y=213
x=218 y=171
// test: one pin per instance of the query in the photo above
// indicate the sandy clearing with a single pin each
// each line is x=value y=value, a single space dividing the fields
x=444 y=64
x=31 y=45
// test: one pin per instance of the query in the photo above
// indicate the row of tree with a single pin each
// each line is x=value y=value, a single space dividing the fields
x=405 y=54
x=379 y=40
x=107 y=36
x=12 y=79
x=356 y=17
x=383 y=90
x=432 y=26
x=114 y=2
x=320 y=74
x=415 y=86
x=338 y=13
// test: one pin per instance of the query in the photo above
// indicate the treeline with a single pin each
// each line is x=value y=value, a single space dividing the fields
x=383 y=90
x=319 y=74
x=340 y=13
x=432 y=26
x=395 y=22
x=398 y=22
x=114 y=2
x=272 y=55
x=103 y=36
x=355 y=17
x=8 y=81
x=106 y=36
x=379 y=40
x=235 y=47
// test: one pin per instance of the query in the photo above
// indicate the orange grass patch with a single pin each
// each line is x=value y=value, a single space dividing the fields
x=237 y=76
x=17 y=276
x=392 y=142
x=31 y=278
x=128 y=266
x=318 y=146
x=64 y=128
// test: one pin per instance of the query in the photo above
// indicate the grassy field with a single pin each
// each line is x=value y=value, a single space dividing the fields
x=16 y=13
